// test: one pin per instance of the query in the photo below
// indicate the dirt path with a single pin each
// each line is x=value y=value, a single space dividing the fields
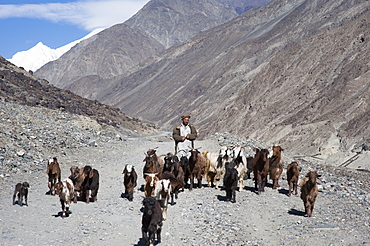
x=200 y=217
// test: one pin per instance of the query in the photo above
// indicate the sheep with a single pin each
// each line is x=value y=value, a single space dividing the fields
x=196 y=167
x=129 y=181
x=77 y=176
x=54 y=174
x=162 y=193
x=150 y=181
x=230 y=182
x=152 y=221
x=260 y=169
x=90 y=183
x=65 y=191
x=276 y=165
x=21 y=189
x=309 y=191
x=292 y=177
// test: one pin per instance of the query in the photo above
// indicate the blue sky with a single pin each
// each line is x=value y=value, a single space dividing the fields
x=24 y=23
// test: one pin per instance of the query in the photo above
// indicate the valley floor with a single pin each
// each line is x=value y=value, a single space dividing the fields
x=200 y=217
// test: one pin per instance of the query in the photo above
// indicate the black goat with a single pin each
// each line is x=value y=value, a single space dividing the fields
x=230 y=181
x=91 y=182
x=152 y=221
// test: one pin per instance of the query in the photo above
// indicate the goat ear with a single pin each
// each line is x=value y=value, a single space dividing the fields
x=91 y=174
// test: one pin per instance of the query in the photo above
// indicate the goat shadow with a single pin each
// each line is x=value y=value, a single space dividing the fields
x=142 y=243
x=195 y=186
x=123 y=195
x=21 y=204
x=222 y=198
x=142 y=188
x=293 y=211
x=249 y=188
x=284 y=192
x=60 y=214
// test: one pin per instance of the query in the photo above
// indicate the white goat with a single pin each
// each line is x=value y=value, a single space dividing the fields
x=241 y=165
x=65 y=190
x=162 y=193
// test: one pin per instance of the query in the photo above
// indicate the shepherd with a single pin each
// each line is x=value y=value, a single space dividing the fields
x=184 y=136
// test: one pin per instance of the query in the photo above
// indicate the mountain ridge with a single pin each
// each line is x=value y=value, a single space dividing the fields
x=230 y=76
x=40 y=54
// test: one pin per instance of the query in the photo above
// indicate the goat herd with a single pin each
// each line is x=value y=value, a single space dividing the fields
x=167 y=175
x=82 y=181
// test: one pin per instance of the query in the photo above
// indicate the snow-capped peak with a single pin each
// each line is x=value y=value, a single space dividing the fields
x=40 y=54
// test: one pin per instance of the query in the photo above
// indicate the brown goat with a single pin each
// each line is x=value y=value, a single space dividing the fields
x=21 y=190
x=152 y=163
x=77 y=176
x=309 y=191
x=150 y=182
x=292 y=174
x=197 y=167
x=276 y=165
x=54 y=174
x=129 y=181
x=260 y=169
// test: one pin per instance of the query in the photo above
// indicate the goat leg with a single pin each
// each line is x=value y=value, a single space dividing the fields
x=159 y=235
x=145 y=236
x=19 y=199
x=75 y=197
x=199 y=182
x=290 y=188
x=25 y=199
x=260 y=189
x=172 y=200
x=151 y=237
x=191 y=183
x=233 y=200
x=295 y=188
x=131 y=195
x=94 y=195
x=63 y=208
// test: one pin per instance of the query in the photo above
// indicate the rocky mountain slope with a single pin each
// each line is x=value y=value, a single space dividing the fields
x=20 y=87
x=241 y=6
x=290 y=72
x=119 y=49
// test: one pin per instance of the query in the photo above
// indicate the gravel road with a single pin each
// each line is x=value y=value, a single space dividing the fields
x=200 y=217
